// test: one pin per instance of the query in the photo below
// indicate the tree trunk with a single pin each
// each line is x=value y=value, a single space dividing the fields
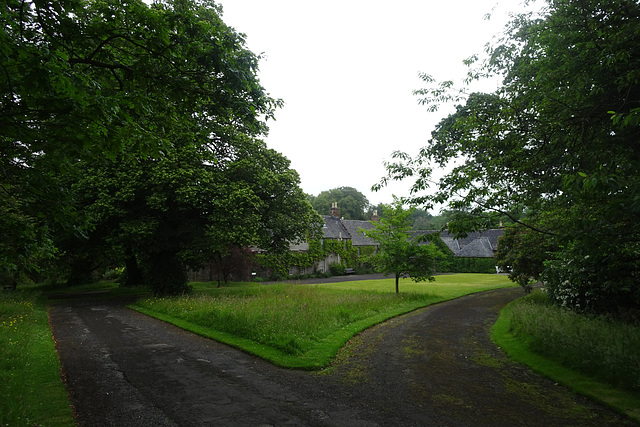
x=81 y=272
x=167 y=274
x=397 y=280
x=133 y=275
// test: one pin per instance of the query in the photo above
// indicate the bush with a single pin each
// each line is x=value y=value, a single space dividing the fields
x=591 y=284
x=522 y=252
x=338 y=269
x=113 y=274
x=364 y=269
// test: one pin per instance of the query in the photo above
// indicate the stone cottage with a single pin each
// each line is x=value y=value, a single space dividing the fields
x=338 y=229
x=476 y=245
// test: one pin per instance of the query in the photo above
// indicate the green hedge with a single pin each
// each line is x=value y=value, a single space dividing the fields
x=472 y=265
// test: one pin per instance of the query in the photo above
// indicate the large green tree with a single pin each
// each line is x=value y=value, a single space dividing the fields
x=399 y=253
x=89 y=85
x=559 y=138
x=163 y=215
x=522 y=253
x=352 y=203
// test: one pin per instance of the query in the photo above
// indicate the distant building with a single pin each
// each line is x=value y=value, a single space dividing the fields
x=476 y=245
x=238 y=266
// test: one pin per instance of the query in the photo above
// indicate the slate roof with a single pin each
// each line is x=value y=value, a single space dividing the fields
x=357 y=238
x=475 y=245
x=481 y=244
x=333 y=228
x=478 y=248
x=346 y=229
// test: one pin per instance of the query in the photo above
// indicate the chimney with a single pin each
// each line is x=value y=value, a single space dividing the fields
x=335 y=212
x=375 y=216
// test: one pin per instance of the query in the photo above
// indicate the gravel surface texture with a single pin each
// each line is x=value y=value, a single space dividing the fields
x=435 y=366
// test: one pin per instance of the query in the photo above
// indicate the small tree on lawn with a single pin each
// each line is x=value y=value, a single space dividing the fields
x=398 y=252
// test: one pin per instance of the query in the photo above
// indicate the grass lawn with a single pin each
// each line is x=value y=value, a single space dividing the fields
x=300 y=326
x=446 y=286
x=303 y=326
x=31 y=391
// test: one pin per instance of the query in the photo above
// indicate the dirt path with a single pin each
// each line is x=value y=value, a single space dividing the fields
x=435 y=366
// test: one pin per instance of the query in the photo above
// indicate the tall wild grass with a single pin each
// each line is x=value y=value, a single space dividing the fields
x=290 y=318
x=606 y=349
x=304 y=326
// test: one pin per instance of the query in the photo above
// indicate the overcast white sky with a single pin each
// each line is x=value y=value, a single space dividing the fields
x=346 y=70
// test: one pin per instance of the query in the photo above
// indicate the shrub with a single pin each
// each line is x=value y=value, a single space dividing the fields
x=113 y=274
x=522 y=252
x=364 y=269
x=591 y=284
x=338 y=269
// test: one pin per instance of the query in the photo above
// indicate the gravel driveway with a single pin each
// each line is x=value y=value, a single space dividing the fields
x=435 y=366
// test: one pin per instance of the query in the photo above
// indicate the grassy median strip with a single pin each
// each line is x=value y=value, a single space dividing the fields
x=303 y=326
x=31 y=391
x=595 y=357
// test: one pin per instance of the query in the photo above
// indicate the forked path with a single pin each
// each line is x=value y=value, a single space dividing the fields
x=435 y=366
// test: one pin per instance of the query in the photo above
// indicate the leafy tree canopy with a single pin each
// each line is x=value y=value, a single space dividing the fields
x=184 y=209
x=399 y=253
x=558 y=139
x=352 y=203
x=422 y=220
x=137 y=123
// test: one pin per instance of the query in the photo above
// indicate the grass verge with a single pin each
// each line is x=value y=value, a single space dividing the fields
x=31 y=391
x=303 y=326
x=569 y=349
